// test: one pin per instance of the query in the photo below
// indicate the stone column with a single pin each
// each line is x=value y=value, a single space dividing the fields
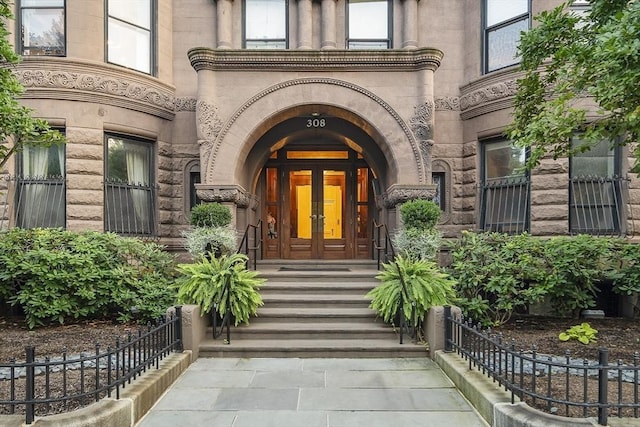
x=410 y=27
x=328 y=21
x=305 y=20
x=224 y=14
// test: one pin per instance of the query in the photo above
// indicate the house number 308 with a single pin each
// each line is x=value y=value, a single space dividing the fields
x=316 y=123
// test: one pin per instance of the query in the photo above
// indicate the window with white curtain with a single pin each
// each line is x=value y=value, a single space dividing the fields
x=40 y=187
x=504 y=20
x=131 y=34
x=129 y=188
x=265 y=24
x=369 y=24
x=42 y=27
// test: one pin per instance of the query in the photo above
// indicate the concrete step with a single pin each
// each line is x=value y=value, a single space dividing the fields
x=314 y=315
x=314 y=300
x=316 y=348
x=297 y=330
x=318 y=265
x=306 y=287
x=319 y=276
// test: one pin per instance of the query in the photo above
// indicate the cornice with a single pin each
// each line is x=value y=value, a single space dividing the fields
x=490 y=93
x=314 y=60
x=63 y=78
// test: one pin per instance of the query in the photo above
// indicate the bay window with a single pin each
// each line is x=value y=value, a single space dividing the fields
x=42 y=27
x=131 y=34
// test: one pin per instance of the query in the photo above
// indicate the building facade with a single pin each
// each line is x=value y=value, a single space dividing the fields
x=316 y=117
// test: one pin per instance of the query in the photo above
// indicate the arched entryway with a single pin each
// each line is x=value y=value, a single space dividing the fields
x=317 y=189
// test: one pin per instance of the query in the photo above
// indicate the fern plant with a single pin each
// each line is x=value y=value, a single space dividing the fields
x=203 y=283
x=426 y=286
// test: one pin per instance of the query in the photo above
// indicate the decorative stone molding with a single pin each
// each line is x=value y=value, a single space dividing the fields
x=92 y=83
x=417 y=152
x=186 y=104
x=397 y=194
x=422 y=121
x=225 y=194
x=312 y=60
x=489 y=93
x=209 y=123
x=447 y=103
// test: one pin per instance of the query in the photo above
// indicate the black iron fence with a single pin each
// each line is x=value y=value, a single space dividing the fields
x=559 y=385
x=42 y=386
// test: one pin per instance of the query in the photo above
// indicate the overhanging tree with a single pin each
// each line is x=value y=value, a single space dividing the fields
x=581 y=77
x=17 y=125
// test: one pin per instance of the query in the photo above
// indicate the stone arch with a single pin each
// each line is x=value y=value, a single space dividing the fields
x=236 y=136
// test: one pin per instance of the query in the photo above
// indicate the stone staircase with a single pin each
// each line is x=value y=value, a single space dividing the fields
x=314 y=309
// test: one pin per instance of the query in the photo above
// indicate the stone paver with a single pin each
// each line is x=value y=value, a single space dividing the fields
x=312 y=393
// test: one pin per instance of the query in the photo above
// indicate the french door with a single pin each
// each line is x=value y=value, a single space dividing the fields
x=317 y=217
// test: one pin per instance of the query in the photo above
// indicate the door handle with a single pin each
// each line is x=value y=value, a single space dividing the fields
x=313 y=216
x=321 y=216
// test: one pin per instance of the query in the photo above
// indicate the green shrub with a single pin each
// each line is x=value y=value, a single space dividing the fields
x=497 y=275
x=420 y=214
x=418 y=244
x=575 y=267
x=426 y=286
x=223 y=240
x=210 y=215
x=57 y=275
x=203 y=283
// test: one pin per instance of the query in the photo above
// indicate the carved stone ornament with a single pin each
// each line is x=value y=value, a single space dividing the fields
x=397 y=194
x=96 y=83
x=225 y=195
x=186 y=104
x=447 y=103
x=487 y=94
x=209 y=124
x=422 y=121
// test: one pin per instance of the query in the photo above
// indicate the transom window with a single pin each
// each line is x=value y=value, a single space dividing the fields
x=130 y=34
x=596 y=191
x=265 y=25
x=505 y=188
x=369 y=24
x=42 y=27
x=504 y=20
x=129 y=187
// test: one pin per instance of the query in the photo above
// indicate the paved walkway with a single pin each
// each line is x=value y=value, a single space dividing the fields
x=312 y=393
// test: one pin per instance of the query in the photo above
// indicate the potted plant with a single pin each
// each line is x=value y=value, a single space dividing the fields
x=424 y=286
x=207 y=282
x=211 y=231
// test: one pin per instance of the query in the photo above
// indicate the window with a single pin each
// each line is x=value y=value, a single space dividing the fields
x=504 y=188
x=265 y=25
x=595 y=191
x=504 y=20
x=130 y=34
x=369 y=23
x=42 y=27
x=192 y=178
x=40 y=187
x=438 y=178
x=129 y=190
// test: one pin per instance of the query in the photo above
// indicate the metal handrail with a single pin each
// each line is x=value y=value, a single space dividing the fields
x=244 y=247
x=385 y=247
